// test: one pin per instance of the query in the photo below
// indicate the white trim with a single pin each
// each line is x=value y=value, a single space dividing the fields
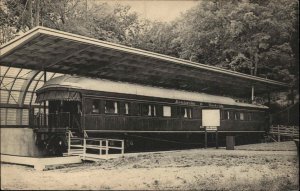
x=82 y=83
x=203 y=131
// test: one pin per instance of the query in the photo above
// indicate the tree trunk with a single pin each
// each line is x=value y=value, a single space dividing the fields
x=37 y=13
x=255 y=64
x=30 y=14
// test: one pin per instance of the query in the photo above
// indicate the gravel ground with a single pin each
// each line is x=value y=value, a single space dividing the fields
x=196 y=169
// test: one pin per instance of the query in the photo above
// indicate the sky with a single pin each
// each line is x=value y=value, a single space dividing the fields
x=160 y=10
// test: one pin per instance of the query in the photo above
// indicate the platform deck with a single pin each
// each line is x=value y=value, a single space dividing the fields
x=40 y=163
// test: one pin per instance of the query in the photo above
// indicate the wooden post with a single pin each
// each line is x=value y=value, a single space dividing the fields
x=288 y=119
x=217 y=141
x=122 y=147
x=84 y=148
x=292 y=95
x=269 y=99
x=106 y=148
x=278 y=134
x=45 y=117
x=252 y=93
x=69 y=142
x=205 y=139
x=100 y=151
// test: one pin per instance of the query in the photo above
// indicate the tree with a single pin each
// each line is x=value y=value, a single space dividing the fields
x=253 y=37
x=98 y=20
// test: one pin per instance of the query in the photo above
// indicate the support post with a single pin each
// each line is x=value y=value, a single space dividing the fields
x=45 y=117
x=122 y=147
x=269 y=99
x=292 y=96
x=106 y=147
x=100 y=151
x=288 y=119
x=69 y=142
x=217 y=141
x=278 y=133
x=205 y=139
x=84 y=148
x=252 y=93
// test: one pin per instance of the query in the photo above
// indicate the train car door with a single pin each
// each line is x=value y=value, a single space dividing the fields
x=74 y=110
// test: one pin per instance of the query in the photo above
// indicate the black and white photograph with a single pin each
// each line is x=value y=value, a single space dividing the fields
x=149 y=95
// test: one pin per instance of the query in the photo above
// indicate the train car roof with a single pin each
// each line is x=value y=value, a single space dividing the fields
x=56 y=51
x=80 y=83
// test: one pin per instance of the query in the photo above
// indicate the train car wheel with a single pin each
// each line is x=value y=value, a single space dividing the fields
x=56 y=145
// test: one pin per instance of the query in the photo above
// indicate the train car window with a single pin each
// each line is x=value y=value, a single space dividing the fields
x=182 y=112
x=159 y=110
x=236 y=115
x=153 y=110
x=144 y=109
x=186 y=112
x=231 y=115
x=174 y=111
x=111 y=107
x=189 y=110
x=148 y=110
x=95 y=106
x=256 y=116
x=196 y=113
x=224 y=115
x=248 y=116
x=166 y=111
x=242 y=117
x=135 y=109
x=126 y=108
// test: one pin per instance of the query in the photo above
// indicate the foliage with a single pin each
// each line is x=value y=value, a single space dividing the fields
x=250 y=36
x=97 y=20
x=243 y=36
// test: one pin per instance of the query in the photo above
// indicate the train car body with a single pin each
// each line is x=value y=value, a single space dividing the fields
x=123 y=109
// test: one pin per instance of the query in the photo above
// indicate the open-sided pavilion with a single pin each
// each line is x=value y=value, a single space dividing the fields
x=42 y=53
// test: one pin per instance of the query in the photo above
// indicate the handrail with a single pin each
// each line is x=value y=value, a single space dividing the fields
x=285 y=131
x=102 y=145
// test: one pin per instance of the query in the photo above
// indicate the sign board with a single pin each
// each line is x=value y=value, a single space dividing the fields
x=211 y=117
x=212 y=128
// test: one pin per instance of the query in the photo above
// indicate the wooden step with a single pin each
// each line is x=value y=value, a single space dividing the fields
x=96 y=157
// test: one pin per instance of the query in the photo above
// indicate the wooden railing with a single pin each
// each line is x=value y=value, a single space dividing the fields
x=75 y=144
x=285 y=131
x=52 y=120
x=83 y=146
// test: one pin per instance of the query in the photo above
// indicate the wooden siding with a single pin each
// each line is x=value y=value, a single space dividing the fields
x=139 y=123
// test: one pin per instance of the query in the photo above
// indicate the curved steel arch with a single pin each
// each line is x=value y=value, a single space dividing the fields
x=22 y=96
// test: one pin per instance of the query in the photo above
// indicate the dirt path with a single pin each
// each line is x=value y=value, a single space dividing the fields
x=176 y=170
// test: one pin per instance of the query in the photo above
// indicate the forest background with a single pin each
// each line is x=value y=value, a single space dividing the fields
x=256 y=37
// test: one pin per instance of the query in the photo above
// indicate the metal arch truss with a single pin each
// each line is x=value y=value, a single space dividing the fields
x=22 y=96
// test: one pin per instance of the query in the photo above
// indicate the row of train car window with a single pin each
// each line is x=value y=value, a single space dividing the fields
x=115 y=107
x=144 y=109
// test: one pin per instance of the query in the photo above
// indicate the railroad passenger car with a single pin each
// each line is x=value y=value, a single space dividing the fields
x=132 y=111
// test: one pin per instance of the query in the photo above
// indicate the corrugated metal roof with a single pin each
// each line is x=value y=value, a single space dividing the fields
x=56 y=51
x=103 y=85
